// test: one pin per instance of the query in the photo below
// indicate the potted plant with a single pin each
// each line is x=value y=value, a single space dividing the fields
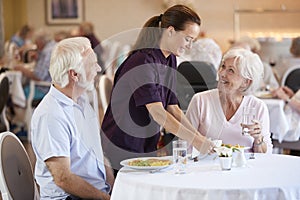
x=225 y=157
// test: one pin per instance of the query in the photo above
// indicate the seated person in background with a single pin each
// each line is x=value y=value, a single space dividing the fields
x=269 y=80
x=218 y=113
x=17 y=46
x=60 y=35
x=285 y=63
x=40 y=72
x=86 y=29
x=23 y=36
x=65 y=129
x=203 y=49
x=291 y=110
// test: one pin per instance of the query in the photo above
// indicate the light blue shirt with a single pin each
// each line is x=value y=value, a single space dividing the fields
x=60 y=127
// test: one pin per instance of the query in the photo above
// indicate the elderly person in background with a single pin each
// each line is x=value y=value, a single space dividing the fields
x=40 y=72
x=65 y=128
x=203 y=49
x=292 y=99
x=23 y=36
x=269 y=80
x=287 y=62
x=291 y=110
x=218 y=113
x=86 y=29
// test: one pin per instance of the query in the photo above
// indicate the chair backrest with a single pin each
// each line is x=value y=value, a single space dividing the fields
x=16 y=177
x=105 y=89
x=194 y=77
x=291 y=78
x=4 y=91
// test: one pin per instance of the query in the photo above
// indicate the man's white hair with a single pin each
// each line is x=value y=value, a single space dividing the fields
x=67 y=55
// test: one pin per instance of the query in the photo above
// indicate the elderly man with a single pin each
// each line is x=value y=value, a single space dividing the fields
x=45 y=45
x=65 y=129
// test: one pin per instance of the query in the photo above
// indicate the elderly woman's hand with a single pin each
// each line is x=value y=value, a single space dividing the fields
x=258 y=144
x=254 y=130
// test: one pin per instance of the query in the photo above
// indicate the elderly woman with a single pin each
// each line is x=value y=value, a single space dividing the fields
x=218 y=113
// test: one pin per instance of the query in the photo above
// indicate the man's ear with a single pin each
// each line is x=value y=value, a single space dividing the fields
x=73 y=75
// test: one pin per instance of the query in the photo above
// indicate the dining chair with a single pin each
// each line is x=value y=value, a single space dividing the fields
x=289 y=145
x=4 y=91
x=16 y=176
x=104 y=91
x=291 y=78
x=194 y=77
x=110 y=57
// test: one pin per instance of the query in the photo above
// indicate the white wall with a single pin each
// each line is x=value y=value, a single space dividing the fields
x=112 y=17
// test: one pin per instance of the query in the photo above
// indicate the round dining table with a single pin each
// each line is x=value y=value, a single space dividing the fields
x=268 y=176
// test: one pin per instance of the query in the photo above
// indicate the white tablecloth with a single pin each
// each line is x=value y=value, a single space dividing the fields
x=266 y=177
x=279 y=124
x=15 y=88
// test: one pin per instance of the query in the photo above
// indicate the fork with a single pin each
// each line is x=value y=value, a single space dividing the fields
x=155 y=170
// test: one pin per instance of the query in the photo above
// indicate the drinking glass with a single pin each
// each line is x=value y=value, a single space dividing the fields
x=179 y=156
x=248 y=117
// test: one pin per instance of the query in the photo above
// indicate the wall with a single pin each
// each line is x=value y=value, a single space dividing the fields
x=14 y=16
x=115 y=16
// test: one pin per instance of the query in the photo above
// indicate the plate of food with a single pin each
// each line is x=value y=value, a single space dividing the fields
x=264 y=94
x=236 y=146
x=147 y=163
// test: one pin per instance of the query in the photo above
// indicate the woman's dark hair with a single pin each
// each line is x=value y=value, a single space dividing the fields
x=176 y=16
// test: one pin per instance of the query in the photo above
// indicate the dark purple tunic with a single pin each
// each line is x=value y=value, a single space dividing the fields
x=146 y=76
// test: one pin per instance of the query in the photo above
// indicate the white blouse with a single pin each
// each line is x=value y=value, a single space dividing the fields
x=206 y=115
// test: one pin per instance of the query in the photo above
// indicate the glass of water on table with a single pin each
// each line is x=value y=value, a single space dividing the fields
x=248 y=117
x=179 y=156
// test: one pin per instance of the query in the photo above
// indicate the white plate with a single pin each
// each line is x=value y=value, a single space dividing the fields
x=125 y=163
x=263 y=94
x=246 y=148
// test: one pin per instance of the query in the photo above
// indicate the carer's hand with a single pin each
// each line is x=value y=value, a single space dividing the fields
x=203 y=144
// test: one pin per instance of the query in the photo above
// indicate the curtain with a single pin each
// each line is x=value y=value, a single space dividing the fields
x=1 y=30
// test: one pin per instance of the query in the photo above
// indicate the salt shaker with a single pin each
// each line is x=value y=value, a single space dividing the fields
x=240 y=160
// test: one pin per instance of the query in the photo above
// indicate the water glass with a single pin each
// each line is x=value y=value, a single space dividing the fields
x=179 y=156
x=248 y=117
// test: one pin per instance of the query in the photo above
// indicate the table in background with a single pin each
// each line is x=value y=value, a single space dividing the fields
x=15 y=88
x=270 y=176
x=279 y=124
